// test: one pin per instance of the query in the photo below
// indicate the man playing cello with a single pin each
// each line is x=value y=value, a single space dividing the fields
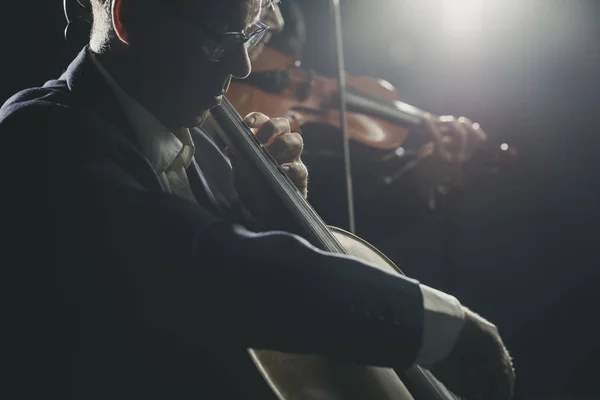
x=142 y=277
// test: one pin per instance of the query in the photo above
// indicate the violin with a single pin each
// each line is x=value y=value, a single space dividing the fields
x=378 y=121
x=293 y=376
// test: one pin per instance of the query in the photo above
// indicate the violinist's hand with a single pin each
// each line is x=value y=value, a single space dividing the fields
x=479 y=366
x=454 y=139
x=452 y=142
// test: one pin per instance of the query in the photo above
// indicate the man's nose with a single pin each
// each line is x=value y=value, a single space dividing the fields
x=239 y=64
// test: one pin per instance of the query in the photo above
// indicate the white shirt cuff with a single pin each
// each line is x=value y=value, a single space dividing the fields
x=443 y=320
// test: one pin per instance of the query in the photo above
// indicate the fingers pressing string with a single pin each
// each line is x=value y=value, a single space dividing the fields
x=267 y=129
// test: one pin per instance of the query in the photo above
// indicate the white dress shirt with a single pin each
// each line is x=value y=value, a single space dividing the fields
x=170 y=154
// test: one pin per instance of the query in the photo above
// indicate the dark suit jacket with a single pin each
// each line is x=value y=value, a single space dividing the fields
x=120 y=290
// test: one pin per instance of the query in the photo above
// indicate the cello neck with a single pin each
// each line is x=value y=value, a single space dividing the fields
x=299 y=217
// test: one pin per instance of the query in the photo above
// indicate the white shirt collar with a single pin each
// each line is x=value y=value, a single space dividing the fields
x=160 y=146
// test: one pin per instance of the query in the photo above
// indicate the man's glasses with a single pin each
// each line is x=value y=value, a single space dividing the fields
x=217 y=44
x=220 y=44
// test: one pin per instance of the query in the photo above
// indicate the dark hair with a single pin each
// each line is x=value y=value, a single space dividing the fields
x=292 y=39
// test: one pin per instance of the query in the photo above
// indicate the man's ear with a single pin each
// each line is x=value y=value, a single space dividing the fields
x=118 y=15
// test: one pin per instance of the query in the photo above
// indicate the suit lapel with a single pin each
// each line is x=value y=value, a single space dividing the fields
x=209 y=172
x=211 y=169
x=204 y=192
x=111 y=127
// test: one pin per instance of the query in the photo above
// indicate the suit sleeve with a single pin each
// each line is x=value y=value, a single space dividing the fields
x=205 y=280
x=167 y=270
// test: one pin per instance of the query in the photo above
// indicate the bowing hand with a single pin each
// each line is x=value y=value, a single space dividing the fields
x=452 y=143
x=454 y=139
x=284 y=145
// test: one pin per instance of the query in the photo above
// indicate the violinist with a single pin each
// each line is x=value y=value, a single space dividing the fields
x=137 y=272
x=449 y=151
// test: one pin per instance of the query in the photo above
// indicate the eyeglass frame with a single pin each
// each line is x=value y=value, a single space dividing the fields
x=240 y=38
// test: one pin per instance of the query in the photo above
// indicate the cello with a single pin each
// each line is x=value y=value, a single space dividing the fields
x=293 y=376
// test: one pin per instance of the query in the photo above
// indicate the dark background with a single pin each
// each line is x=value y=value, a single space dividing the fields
x=526 y=244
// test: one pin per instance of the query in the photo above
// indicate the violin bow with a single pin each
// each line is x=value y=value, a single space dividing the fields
x=341 y=77
x=422 y=380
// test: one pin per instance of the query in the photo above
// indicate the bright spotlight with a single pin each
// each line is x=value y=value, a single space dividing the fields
x=461 y=17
